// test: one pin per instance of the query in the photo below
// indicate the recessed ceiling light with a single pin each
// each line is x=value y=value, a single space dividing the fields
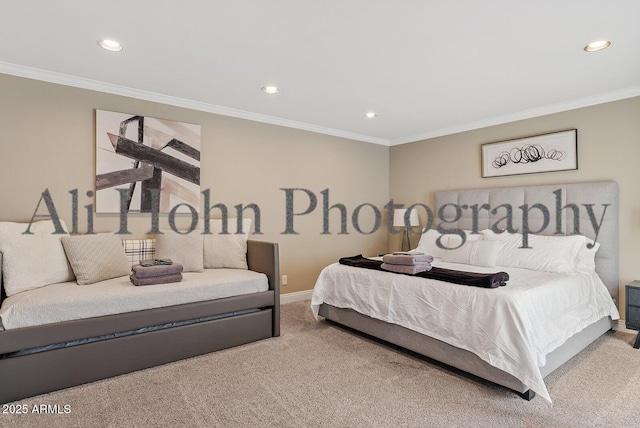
x=371 y=115
x=271 y=89
x=597 y=46
x=110 y=45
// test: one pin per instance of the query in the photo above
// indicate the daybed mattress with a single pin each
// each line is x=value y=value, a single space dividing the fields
x=512 y=328
x=69 y=301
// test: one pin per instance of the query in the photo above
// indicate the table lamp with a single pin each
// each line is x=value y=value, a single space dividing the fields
x=398 y=221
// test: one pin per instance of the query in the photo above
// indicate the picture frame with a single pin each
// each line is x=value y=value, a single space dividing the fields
x=556 y=151
x=138 y=157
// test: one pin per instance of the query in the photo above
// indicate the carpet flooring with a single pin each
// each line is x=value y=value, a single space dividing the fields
x=319 y=375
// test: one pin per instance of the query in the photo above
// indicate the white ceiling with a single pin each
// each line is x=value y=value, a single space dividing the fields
x=426 y=67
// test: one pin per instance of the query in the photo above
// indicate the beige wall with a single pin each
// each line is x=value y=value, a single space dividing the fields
x=608 y=149
x=48 y=141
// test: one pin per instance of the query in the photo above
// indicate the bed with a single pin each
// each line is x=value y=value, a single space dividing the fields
x=37 y=357
x=510 y=335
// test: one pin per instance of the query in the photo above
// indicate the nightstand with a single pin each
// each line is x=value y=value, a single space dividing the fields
x=632 y=309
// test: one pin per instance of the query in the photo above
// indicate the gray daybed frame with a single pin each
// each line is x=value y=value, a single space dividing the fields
x=29 y=375
x=581 y=195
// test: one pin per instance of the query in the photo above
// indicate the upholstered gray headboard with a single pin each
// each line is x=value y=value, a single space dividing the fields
x=589 y=198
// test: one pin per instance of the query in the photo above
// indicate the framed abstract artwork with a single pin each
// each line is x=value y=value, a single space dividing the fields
x=557 y=151
x=145 y=164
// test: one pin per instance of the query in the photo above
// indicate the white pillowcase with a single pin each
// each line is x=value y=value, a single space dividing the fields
x=95 y=258
x=427 y=243
x=228 y=250
x=429 y=246
x=32 y=261
x=186 y=249
x=490 y=235
x=586 y=258
x=546 y=253
x=560 y=254
x=477 y=253
x=455 y=240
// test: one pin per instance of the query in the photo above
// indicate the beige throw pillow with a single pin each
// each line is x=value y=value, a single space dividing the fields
x=226 y=251
x=32 y=261
x=181 y=248
x=95 y=258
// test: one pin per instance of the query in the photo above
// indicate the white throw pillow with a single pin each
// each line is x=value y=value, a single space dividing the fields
x=32 y=261
x=186 y=249
x=95 y=258
x=229 y=250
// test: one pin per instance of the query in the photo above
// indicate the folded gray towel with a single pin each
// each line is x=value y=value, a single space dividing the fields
x=156 y=270
x=411 y=270
x=406 y=259
x=150 y=280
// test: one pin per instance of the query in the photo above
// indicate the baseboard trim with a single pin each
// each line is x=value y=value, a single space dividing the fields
x=620 y=325
x=296 y=296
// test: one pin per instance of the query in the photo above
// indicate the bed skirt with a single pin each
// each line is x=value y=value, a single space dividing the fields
x=459 y=358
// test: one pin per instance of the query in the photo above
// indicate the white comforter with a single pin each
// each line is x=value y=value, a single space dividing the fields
x=512 y=328
x=69 y=301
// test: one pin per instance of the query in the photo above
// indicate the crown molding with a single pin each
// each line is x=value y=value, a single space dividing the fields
x=95 y=85
x=606 y=97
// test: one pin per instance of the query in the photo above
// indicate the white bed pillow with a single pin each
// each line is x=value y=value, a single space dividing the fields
x=32 y=261
x=586 y=258
x=186 y=248
x=455 y=240
x=490 y=235
x=427 y=243
x=477 y=253
x=95 y=258
x=226 y=250
x=546 y=253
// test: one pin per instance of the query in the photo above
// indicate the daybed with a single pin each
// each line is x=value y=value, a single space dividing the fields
x=488 y=332
x=135 y=340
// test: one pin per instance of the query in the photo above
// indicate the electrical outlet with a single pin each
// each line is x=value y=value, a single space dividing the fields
x=284 y=280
